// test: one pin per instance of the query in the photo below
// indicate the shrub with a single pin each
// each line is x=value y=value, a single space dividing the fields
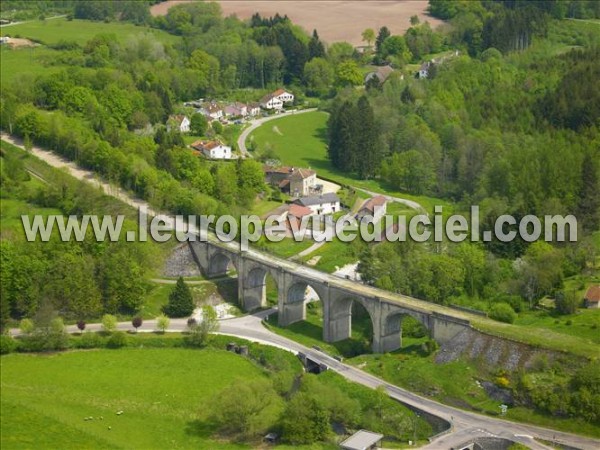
x=26 y=326
x=7 y=344
x=137 y=322
x=503 y=312
x=191 y=323
x=90 y=339
x=117 y=340
x=81 y=325
x=566 y=302
x=109 y=323
x=162 y=323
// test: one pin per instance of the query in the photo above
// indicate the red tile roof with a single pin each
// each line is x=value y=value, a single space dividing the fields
x=593 y=294
x=206 y=145
x=299 y=211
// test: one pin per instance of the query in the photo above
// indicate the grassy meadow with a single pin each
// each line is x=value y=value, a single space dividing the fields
x=33 y=61
x=161 y=392
x=53 y=31
x=301 y=140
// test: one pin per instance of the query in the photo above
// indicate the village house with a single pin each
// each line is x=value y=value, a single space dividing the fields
x=236 y=109
x=381 y=74
x=296 y=213
x=328 y=203
x=592 y=297
x=374 y=207
x=275 y=100
x=213 y=149
x=211 y=110
x=180 y=122
x=291 y=180
x=254 y=109
x=270 y=102
x=424 y=69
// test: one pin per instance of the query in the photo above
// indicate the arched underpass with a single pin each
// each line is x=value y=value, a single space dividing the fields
x=223 y=274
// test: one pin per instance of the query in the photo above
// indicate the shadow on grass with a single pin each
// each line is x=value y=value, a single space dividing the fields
x=201 y=428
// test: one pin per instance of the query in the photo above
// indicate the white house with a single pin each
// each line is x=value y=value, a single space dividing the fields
x=328 y=203
x=254 y=109
x=275 y=100
x=213 y=149
x=375 y=207
x=179 y=121
x=424 y=69
x=211 y=110
x=270 y=102
x=284 y=96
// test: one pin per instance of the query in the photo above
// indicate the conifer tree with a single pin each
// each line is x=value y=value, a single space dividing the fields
x=181 y=302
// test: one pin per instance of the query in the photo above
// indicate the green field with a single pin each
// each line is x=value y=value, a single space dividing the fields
x=37 y=60
x=56 y=30
x=301 y=140
x=161 y=392
x=25 y=61
x=287 y=248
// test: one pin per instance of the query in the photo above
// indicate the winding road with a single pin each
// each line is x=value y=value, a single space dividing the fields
x=464 y=425
x=241 y=142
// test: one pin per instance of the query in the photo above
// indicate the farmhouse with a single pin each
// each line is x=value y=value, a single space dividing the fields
x=291 y=180
x=275 y=100
x=180 y=122
x=211 y=110
x=328 y=203
x=213 y=149
x=297 y=212
x=374 y=207
x=381 y=74
x=592 y=297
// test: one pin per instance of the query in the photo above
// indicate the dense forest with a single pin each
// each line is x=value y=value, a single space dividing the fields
x=513 y=129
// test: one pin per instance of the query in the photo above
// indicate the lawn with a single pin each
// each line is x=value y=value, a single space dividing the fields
x=336 y=254
x=286 y=248
x=584 y=324
x=45 y=399
x=301 y=140
x=56 y=30
x=10 y=215
x=25 y=61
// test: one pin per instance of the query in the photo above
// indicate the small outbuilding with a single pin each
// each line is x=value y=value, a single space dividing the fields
x=592 y=297
x=362 y=440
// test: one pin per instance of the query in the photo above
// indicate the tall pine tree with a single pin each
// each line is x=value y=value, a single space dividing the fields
x=589 y=195
x=368 y=156
x=181 y=302
x=316 y=49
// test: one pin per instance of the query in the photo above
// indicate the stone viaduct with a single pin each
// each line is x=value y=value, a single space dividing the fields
x=336 y=294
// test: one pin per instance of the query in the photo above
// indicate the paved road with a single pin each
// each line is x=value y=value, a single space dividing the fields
x=464 y=425
x=241 y=142
x=250 y=327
